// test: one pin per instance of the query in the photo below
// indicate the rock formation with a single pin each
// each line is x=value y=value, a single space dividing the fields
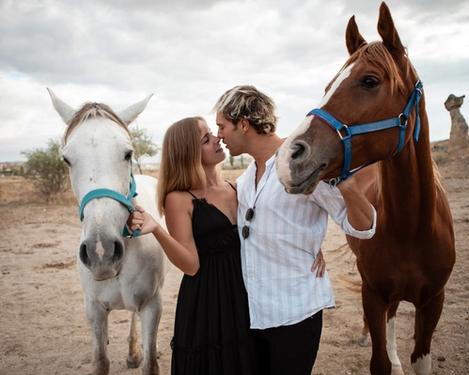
x=459 y=137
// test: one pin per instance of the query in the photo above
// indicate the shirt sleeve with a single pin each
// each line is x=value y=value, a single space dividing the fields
x=331 y=200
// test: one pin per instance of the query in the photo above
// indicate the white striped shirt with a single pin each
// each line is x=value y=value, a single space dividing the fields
x=286 y=233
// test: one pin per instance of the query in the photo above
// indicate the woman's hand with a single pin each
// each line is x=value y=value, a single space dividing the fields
x=141 y=220
x=319 y=265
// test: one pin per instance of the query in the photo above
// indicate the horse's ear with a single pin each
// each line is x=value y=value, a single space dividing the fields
x=62 y=108
x=353 y=38
x=388 y=32
x=131 y=113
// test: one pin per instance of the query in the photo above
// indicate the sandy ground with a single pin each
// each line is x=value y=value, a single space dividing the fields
x=43 y=328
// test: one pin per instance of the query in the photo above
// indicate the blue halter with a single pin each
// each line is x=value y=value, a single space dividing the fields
x=108 y=193
x=349 y=131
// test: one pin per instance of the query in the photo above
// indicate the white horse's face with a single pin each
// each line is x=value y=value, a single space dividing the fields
x=99 y=152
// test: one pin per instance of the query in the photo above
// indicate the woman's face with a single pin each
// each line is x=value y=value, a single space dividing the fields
x=212 y=153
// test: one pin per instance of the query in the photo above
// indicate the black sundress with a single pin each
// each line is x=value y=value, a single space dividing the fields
x=211 y=330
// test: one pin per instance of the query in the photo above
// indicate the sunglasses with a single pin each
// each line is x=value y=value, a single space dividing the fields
x=248 y=217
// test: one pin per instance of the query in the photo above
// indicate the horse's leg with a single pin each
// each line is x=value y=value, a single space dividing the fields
x=150 y=318
x=135 y=354
x=375 y=312
x=97 y=316
x=363 y=340
x=391 y=346
x=426 y=319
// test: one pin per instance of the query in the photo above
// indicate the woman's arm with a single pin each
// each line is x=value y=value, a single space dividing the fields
x=178 y=244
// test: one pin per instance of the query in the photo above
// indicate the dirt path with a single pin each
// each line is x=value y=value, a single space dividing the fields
x=44 y=331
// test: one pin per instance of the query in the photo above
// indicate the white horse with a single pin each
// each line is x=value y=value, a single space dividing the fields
x=115 y=272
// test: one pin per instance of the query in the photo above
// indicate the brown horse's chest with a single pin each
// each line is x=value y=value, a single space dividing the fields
x=402 y=269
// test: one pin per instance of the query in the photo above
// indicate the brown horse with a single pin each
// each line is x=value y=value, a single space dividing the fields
x=379 y=95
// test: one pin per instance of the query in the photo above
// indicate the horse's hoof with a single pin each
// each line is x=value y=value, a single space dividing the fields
x=134 y=362
x=397 y=370
x=364 y=341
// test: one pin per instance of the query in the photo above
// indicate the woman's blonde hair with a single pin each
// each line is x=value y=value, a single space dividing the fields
x=181 y=159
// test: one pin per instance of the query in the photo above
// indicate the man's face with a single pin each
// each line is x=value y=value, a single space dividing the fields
x=231 y=135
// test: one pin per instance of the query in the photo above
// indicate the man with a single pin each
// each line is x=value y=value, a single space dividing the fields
x=281 y=235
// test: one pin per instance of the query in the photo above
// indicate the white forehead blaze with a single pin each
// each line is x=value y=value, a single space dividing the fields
x=284 y=152
x=340 y=78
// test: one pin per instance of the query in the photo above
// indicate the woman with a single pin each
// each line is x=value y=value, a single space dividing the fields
x=211 y=332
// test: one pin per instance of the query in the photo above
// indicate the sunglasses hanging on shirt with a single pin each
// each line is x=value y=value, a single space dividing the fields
x=245 y=231
x=248 y=217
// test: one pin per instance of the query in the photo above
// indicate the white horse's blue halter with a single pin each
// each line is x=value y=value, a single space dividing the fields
x=121 y=198
x=349 y=131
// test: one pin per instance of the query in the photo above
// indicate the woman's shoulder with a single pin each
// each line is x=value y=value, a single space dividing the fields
x=179 y=199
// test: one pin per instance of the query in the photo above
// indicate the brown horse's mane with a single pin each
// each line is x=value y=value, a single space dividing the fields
x=377 y=55
x=93 y=110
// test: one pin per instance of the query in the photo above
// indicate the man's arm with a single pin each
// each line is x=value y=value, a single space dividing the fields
x=360 y=212
x=348 y=207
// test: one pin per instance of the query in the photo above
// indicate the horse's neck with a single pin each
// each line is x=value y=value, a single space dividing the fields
x=408 y=184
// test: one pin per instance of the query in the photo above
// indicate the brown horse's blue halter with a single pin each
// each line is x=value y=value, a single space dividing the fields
x=346 y=132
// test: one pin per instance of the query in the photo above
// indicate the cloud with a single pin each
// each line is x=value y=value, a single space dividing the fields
x=188 y=53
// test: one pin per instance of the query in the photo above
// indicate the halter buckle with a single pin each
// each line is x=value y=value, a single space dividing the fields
x=402 y=120
x=333 y=182
x=419 y=87
x=347 y=132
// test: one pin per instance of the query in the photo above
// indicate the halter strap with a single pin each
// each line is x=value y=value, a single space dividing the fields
x=122 y=199
x=346 y=132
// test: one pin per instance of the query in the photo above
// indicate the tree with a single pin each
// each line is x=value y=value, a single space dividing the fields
x=143 y=146
x=47 y=168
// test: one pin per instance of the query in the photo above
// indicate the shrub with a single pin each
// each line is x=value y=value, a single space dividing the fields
x=143 y=146
x=47 y=168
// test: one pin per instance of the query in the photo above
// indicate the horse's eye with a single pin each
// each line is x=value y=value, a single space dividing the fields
x=67 y=162
x=128 y=155
x=369 y=82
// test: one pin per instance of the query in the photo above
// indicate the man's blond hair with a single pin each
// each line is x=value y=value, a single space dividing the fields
x=246 y=102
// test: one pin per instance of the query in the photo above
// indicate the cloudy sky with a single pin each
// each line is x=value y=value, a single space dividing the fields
x=189 y=52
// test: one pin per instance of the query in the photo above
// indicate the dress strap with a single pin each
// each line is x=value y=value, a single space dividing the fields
x=192 y=194
x=229 y=183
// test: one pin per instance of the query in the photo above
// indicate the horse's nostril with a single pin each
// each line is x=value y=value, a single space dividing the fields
x=84 y=255
x=299 y=150
x=118 y=251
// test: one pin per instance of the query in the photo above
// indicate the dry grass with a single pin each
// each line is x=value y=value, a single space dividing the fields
x=17 y=189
